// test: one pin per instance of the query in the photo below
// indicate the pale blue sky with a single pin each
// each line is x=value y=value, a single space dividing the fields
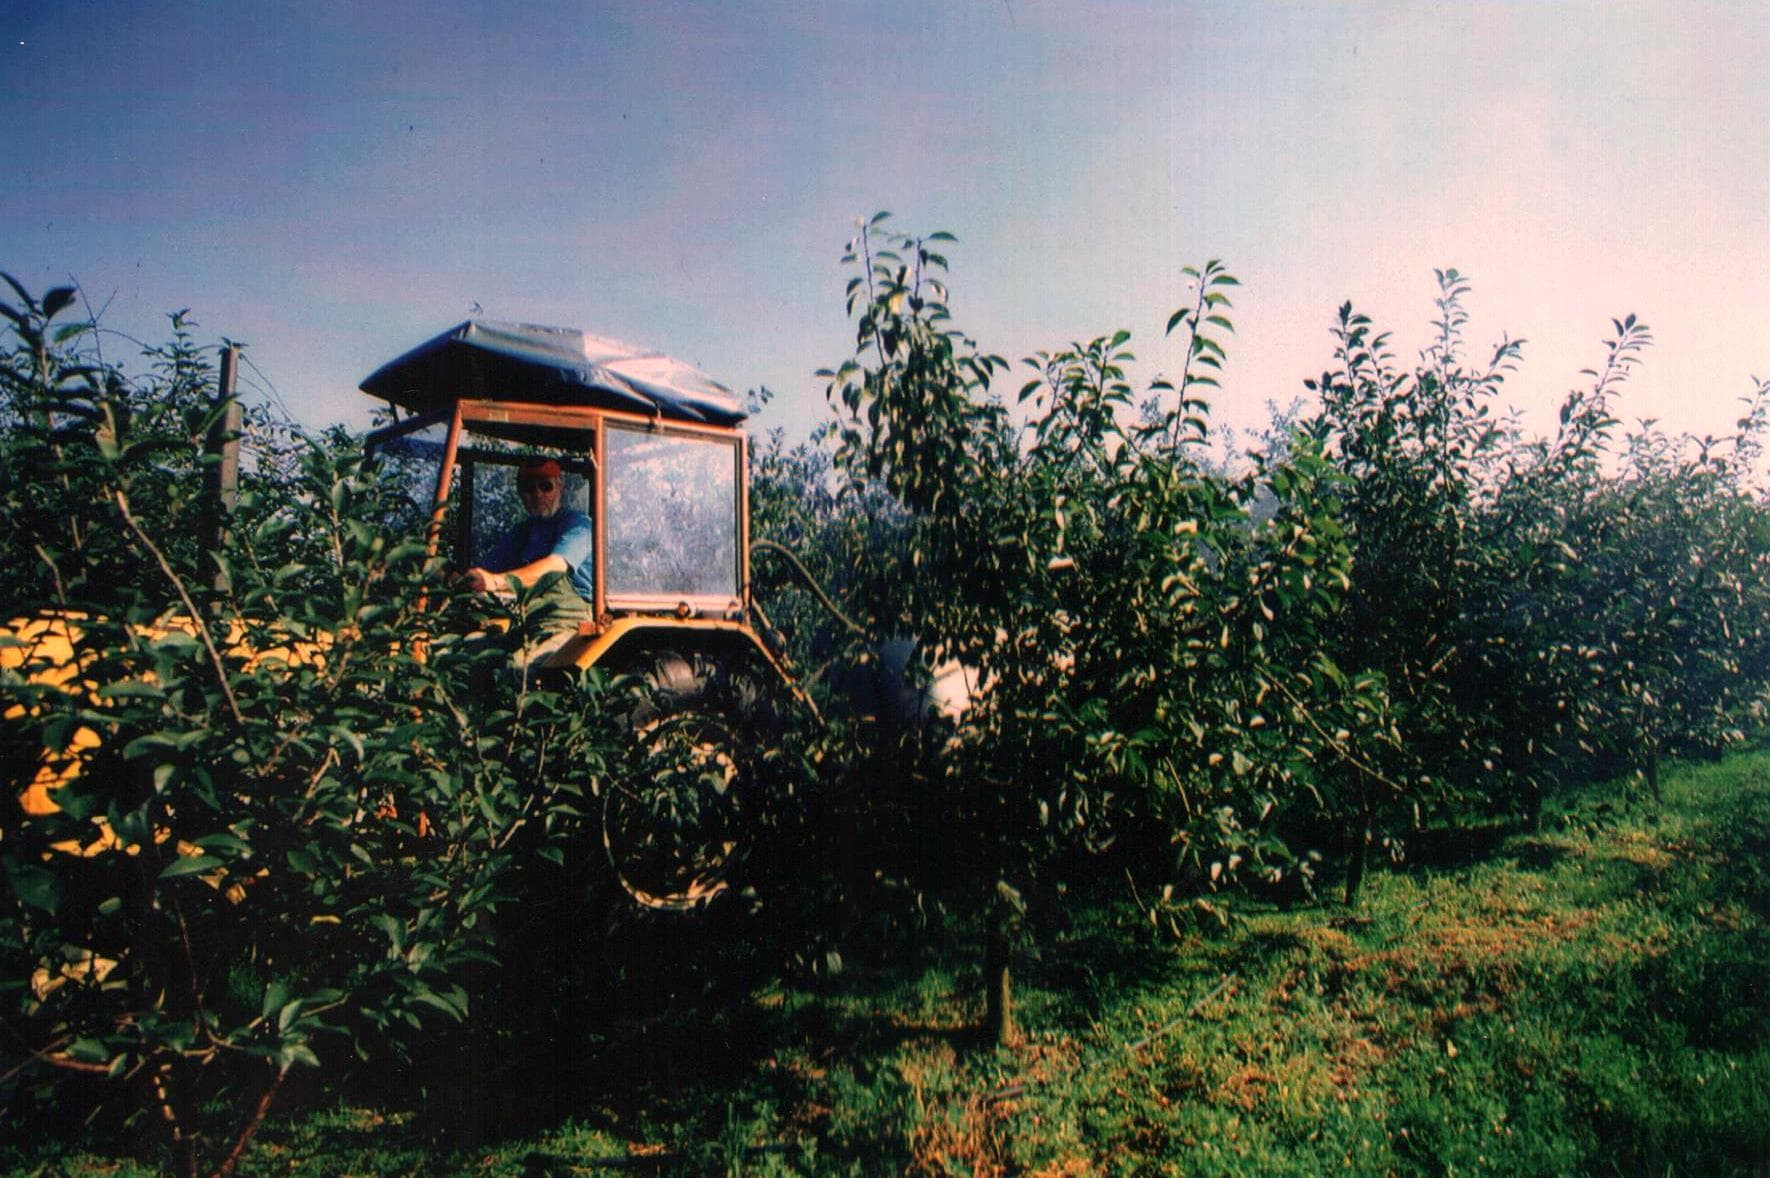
x=334 y=182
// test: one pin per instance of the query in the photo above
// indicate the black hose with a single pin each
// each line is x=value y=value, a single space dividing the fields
x=810 y=583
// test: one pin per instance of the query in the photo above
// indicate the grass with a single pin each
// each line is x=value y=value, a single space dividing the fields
x=1590 y=999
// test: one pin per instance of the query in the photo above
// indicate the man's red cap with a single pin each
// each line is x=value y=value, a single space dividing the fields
x=544 y=468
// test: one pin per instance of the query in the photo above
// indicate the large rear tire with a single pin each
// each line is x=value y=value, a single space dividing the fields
x=673 y=824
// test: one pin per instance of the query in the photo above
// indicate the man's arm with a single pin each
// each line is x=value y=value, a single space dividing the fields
x=481 y=580
x=571 y=547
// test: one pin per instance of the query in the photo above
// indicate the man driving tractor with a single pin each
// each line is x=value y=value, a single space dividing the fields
x=550 y=554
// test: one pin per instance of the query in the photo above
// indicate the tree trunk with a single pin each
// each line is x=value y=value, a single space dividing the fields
x=1653 y=774
x=998 y=997
x=1360 y=859
x=231 y=1162
x=1004 y=923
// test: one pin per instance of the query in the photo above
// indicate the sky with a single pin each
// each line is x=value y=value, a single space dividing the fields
x=333 y=183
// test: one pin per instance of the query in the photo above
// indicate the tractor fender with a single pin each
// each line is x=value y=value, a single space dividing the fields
x=625 y=639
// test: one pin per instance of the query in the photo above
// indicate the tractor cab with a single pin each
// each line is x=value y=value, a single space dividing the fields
x=653 y=452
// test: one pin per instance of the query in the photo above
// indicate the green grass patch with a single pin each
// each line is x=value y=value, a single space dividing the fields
x=1587 y=999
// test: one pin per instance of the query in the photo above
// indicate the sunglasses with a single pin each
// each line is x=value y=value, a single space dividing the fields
x=542 y=485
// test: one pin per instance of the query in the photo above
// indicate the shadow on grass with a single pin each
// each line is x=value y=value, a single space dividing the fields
x=1452 y=848
x=1112 y=951
x=681 y=1035
x=1538 y=854
x=666 y=1033
x=663 y=1030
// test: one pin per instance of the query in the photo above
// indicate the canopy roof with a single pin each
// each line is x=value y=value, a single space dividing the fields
x=553 y=366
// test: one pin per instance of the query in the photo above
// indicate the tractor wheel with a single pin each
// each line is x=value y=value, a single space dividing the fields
x=673 y=824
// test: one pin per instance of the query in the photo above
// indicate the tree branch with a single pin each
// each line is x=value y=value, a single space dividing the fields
x=122 y=502
x=247 y=1131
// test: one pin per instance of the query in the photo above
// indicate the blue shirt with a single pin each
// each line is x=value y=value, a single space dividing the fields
x=566 y=534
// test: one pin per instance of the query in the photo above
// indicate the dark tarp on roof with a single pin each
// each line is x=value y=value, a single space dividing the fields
x=553 y=366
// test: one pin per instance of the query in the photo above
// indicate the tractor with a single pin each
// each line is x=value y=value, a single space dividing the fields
x=652 y=450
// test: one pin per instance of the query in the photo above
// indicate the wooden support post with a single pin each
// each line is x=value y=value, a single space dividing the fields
x=439 y=512
x=444 y=476
x=221 y=470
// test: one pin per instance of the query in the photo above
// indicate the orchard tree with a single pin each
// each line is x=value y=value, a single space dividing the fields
x=1149 y=679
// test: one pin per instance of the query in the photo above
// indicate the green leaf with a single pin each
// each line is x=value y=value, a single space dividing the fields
x=58 y=300
x=396 y=932
x=446 y=1005
x=297 y=1053
x=190 y=865
x=276 y=996
x=224 y=842
x=59 y=731
x=24 y=296
x=36 y=886
x=130 y=689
